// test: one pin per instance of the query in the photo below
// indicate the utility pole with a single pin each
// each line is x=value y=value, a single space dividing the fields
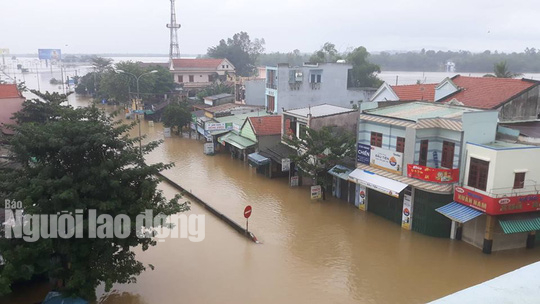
x=174 y=50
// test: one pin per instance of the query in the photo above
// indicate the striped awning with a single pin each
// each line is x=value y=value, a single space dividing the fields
x=422 y=185
x=458 y=212
x=520 y=223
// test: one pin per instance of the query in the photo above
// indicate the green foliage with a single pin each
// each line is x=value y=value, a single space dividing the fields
x=500 y=70
x=214 y=89
x=79 y=159
x=240 y=51
x=433 y=61
x=327 y=53
x=363 y=73
x=294 y=58
x=176 y=115
x=320 y=150
x=41 y=110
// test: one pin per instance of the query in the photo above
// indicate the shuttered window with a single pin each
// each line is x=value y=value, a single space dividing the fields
x=478 y=174
x=447 y=160
x=376 y=139
x=400 y=144
x=519 y=180
x=422 y=160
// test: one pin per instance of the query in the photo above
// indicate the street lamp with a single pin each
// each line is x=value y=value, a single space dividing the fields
x=138 y=99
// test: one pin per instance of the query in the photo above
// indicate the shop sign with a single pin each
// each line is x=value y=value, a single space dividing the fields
x=362 y=198
x=435 y=175
x=316 y=192
x=236 y=127
x=388 y=160
x=497 y=205
x=294 y=181
x=363 y=154
x=218 y=126
x=209 y=148
x=167 y=132
x=406 y=215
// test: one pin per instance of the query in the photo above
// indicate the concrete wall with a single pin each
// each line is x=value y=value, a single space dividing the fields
x=347 y=121
x=332 y=89
x=436 y=137
x=255 y=92
x=524 y=107
x=473 y=233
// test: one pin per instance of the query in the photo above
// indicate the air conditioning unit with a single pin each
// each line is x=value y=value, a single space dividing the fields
x=299 y=76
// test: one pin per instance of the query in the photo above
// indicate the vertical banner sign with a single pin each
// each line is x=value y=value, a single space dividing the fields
x=209 y=148
x=316 y=192
x=362 y=198
x=406 y=216
x=363 y=154
x=294 y=181
x=285 y=164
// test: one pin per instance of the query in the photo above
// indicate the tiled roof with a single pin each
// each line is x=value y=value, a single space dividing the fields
x=197 y=63
x=487 y=92
x=9 y=91
x=424 y=92
x=266 y=125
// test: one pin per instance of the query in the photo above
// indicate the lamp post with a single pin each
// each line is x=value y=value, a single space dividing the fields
x=138 y=99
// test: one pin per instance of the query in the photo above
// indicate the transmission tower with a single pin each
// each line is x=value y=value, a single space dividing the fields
x=174 y=51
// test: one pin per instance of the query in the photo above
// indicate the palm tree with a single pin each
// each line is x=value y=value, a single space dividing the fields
x=500 y=70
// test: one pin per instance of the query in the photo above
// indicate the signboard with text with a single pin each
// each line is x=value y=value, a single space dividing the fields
x=388 y=160
x=218 y=126
x=50 y=54
x=363 y=154
x=435 y=175
x=208 y=148
x=406 y=215
x=497 y=205
x=294 y=181
x=4 y=51
x=316 y=192
x=362 y=198
x=285 y=164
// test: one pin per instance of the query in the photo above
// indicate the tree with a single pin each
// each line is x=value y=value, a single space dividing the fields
x=327 y=53
x=500 y=70
x=177 y=115
x=240 y=51
x=363 y=73
x=79 y=159
x=320 y=150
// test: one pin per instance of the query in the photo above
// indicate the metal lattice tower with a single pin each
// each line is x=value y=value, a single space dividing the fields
x=174 y=50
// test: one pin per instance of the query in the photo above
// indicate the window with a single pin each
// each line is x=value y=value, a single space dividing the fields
x=210 y=78
x=315 y=76
x=400 y=144
x=376 y=139
x=223 y=66
x=519 y=180
x=191 y=78
x=227 y=66
x=271 y=104
x=180 y=78
x=422 y=160
x=447 y=160
x=478 y=174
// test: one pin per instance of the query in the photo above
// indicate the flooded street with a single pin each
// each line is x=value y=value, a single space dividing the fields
x=311 y=251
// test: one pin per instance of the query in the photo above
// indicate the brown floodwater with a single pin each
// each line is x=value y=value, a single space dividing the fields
x=311 y=251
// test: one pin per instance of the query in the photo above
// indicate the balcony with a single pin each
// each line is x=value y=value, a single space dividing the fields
x=271 y=86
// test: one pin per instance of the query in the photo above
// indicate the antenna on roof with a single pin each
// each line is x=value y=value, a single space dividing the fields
x=309 y=109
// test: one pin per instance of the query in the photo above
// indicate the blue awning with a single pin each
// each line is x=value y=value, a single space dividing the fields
x=258 y=159
x=458 y=212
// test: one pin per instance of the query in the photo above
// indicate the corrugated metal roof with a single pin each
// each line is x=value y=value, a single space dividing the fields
x=341 y=172
x=520 y=223
x=458 y=212
x=236 y=140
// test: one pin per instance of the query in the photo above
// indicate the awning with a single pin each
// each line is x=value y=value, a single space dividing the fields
x=340 y=172
x=238 y=141
x=257 y=159
x=377 y=182
x=278 y=152
x=458 y=212
x=520 y=223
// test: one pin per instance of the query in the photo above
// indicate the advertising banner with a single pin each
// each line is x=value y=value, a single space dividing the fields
x=316 y=192
x=218 y=126
x=499 y=205
x=435 y=175
x=4 y=51
x=406 y=215
x=50 y=54
x=294 y=181
x=363 y=154
x=386 y=159
x=362 y=198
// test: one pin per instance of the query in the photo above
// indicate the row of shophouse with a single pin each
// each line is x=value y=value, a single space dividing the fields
x=454 y=159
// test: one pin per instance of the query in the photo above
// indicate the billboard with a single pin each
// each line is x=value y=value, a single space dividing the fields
x=50 y=54
x=434 y=175
x=4 y=51
x=388 y=160
x=497 y=205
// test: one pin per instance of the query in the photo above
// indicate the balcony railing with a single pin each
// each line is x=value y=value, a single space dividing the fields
x=271 y=86
x=530 y=189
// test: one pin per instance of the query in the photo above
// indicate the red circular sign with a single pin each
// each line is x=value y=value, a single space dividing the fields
x=247 y=211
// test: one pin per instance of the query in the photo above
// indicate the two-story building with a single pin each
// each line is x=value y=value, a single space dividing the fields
x=311 y=84
x=410 y=156
x=497 y=204
x=196 y=74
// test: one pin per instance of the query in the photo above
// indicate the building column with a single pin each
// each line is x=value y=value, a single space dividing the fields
x=531 y=238
x=488 y=236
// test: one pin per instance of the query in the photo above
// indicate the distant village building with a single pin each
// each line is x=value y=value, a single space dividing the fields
x=11 y=101
x=516 y=100
x=219 y=99
x=311 y=84
x=195 y=74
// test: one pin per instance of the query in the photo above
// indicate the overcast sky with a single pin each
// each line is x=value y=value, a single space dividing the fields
x=138 y=26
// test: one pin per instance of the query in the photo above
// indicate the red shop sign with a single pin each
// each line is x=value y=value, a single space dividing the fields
x=435 y=175
x=500 y=205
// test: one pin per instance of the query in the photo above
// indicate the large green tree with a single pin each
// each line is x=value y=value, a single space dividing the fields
x=327 y=53
x=363 y=73
x=79 y=159
x=176 y=115
x=241 y=51
x=320 y=150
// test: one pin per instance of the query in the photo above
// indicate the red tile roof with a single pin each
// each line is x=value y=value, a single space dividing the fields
x=197 y=63
x=424 y=92
x=266 y=125
x=9 y=91
x=487 y=92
